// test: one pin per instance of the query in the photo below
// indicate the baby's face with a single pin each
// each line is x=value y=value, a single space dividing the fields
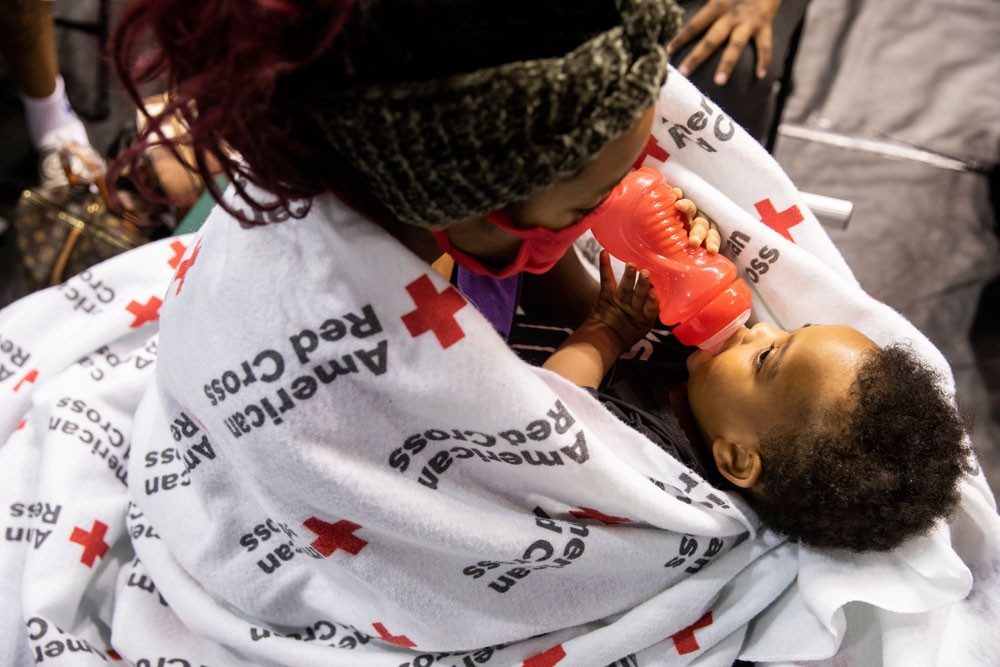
x=766 y=378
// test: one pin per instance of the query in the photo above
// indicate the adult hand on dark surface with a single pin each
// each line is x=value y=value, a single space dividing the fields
x=732 y=21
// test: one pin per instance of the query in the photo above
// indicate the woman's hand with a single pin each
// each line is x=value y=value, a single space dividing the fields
x=701 y=230
x=629 y=309
x=735 y=21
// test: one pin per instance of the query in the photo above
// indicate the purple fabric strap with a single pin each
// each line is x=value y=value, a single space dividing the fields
x=495 y=299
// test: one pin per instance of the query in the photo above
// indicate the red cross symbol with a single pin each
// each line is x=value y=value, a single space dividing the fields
x=144 y=312
x=178 y=249
x=779 y=222
x=435 y=312
x=93 y=542
x=546 y=658
x=398 y=640
x=333 y=536
x=652 y=149
x=684 y=640
x=30 y=376
x=182 y=269
x=591 y=513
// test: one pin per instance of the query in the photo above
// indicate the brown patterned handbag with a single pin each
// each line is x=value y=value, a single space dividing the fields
x=64 y=230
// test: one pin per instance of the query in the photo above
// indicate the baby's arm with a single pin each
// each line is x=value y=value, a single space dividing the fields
x=623 y=315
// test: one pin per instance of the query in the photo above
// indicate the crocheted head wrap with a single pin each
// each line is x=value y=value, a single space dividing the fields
x=435 y=152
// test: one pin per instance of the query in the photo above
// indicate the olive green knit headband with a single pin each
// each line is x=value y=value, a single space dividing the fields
x=438 y=151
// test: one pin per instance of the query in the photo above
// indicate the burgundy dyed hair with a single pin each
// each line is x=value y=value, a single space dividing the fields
x=221 y=62
x=240 y=72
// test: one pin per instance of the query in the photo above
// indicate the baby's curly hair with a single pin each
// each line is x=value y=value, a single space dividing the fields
x=870 y=479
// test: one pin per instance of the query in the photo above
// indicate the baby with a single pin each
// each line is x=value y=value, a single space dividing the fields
x=833 y=440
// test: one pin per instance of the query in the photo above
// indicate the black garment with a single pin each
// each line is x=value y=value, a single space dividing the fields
x=637 y=391
x=638 y=394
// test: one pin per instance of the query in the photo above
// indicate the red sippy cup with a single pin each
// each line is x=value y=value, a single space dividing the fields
x=699 y=292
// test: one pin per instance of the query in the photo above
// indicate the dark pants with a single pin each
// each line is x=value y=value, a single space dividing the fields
x=753 y=103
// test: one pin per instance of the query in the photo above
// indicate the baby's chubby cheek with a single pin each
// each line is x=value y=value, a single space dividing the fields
x=700 y=375
x=712 y=378
x=701 y=361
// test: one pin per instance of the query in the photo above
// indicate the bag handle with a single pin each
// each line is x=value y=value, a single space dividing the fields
x=59 y=266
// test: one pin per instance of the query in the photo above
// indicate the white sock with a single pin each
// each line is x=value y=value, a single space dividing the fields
x=52 y=121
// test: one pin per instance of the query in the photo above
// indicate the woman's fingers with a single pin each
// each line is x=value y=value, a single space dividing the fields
x=738 y=41
x=763 y=40
x=697 y=24
x=729 y=23
x=709 y=44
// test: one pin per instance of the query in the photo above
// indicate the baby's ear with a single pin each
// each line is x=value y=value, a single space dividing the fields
x=738 y=463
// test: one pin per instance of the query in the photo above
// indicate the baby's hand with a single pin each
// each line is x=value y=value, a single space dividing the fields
x=700 y=228
x=631 y=308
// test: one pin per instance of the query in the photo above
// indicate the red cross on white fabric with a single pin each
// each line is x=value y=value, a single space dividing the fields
x=93 y=542
x=398 y=640
x=779 y=222
x=30 y=376
x=333 y=536
x=591 y=513
x=185 y=266
x=178 y=249
x=435 y=312
x=652 y=149
x=685 y=641
x=144 y=312
x=546 y=658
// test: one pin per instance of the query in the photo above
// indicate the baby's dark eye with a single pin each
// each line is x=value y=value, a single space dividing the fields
x=762 y=355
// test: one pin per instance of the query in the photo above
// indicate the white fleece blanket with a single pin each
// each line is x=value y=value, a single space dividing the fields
x=295 y=444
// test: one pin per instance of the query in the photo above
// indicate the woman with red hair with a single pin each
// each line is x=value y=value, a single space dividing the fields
x=415 y=115
x=339 y=461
